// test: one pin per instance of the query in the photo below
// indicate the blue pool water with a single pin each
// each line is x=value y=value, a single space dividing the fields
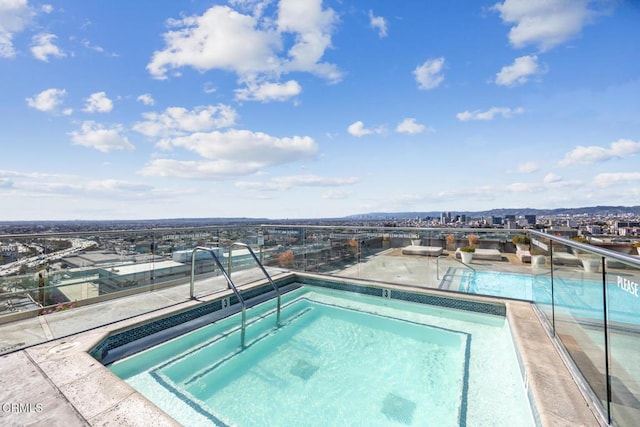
x=338 y=359
x=579 y=297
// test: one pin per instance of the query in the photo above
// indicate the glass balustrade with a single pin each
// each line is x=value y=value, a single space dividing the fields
x=587 y=296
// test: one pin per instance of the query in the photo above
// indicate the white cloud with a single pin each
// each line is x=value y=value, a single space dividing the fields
x=48 y=100
x=594 y=154
x=527 y=167
x=429 y=74
x=525 y=187
x=410 y=126
x=358 y=129
x=95 y=135
x=86 y=43
x=15 y=16
x=98 y=103
x=288 y=182
x=255 y=7
x=608 y=179
x=236 y=44
x=46 y=8
x=550 y=182
x=178 y=121
x=335 y=194
x=489 y=114
x=545 y=24
x=196 y=169
x=146 y=99
x=250 y=46
x=519 y=72
x=209 y=88
x=269 y=91
x=378 y=23
x=312 y=27
x=230 y=153
x=247 y=146
x=37 y=184
x=42 y=47
x=551 y=178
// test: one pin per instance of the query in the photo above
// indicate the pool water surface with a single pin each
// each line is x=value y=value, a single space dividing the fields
x=577 y=296
x=338 y=358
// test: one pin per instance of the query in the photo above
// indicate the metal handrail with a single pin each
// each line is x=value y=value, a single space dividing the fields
x=606 y=253
x=253 y=254
x=226 y=276
x=466 y=265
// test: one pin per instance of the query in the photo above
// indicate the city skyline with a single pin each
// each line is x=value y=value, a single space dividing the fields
x=315 y=109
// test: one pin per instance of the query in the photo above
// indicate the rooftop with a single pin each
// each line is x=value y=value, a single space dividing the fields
x=564 y=364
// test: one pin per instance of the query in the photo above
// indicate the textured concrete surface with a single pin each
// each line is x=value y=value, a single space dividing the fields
x=557 y=396
x=29 y=397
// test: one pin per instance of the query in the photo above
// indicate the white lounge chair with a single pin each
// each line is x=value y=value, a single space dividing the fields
x=422 y=250
x=487 y=254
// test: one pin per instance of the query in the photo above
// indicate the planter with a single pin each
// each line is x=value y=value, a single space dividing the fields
x=522 y=247
x=466 y=257
x=538 y=260
x=591 y=265
x=416 y=242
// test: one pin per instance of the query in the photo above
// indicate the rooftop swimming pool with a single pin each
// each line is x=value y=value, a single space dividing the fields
x=338 y=358
x=579 y=297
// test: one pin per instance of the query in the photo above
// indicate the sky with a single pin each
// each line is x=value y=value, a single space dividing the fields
x=282 y=109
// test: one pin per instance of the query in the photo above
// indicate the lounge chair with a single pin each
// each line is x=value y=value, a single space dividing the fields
x=487 y=254
x=422 y=250
x=565 y=258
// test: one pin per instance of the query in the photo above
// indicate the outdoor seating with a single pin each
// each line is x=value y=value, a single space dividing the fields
x=565 y=258
x=486 y=254
x=422 y=250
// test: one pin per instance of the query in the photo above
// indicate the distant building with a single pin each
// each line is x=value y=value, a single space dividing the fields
x=123 y=277
x=185 y=256
x=531 y=219
x=594 y=229
x=567 y=232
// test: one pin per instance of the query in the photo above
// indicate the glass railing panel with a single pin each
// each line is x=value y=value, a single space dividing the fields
x=623 y=315
x=377 y=253
x=578 y=297
x=283 y=246
x=59 y=275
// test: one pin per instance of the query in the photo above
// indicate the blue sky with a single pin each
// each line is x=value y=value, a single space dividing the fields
x=307 y=108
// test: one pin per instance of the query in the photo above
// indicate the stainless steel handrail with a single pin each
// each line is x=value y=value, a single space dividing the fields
x=253 y=254
x=466 y=265
x=229 y=281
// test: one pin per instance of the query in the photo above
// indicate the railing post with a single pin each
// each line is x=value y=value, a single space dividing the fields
x=229 y=260
x=193 y=273
x=229 y=284
x=606 y=341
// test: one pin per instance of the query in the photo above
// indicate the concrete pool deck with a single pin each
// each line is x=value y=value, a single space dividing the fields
x=59 y=383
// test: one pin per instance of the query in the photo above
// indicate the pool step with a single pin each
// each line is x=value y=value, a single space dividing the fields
x=226 y=344
x=202 y=385
x=172 y=342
